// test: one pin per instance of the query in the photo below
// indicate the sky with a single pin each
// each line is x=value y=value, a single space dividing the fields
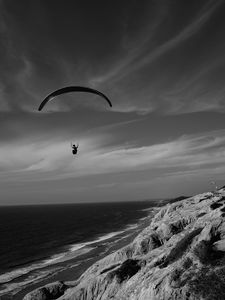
x=162 y=65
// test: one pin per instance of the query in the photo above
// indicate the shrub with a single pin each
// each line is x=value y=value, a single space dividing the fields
x=215 y=205
x=208 y=285
x=187 y=263
x=176 y=274
x=128 y=269
x=205 y=252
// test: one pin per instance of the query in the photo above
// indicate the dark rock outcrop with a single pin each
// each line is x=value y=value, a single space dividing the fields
x=127 y=269
x=48 y=292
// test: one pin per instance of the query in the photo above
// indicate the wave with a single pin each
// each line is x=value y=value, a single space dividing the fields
x=147 y=209
x=73 y=251
x=35 y=272
x=99 y=239
x=14 y=287
x=144 y=218
x=67 y=255
x=9 y=276
x=132 y=226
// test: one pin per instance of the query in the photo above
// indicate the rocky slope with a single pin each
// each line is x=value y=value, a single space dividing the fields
x=181 y=255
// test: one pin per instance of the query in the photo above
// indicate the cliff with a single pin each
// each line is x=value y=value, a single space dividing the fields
x=181 y=255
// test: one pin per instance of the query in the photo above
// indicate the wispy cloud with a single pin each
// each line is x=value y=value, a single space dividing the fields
x=128 y=73
x=156 y=90
x=203 y=91
x=139 y=58
x=52 y=160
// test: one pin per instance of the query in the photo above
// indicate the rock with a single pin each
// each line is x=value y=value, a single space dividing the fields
x=181 y=255
x=219 y=246
x=50 y=291
x=127 y=269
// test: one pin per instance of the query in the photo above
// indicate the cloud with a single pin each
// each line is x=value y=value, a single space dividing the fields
x=136 y=46
x=138 y=57
x=201 y=92
x=133 y=65
x=146 y=79
x=51 y=160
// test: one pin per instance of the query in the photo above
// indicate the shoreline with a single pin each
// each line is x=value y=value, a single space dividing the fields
x=72 y=269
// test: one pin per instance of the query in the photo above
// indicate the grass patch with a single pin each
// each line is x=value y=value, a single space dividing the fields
x=206 y=254
x=175 y=275
x=187 y=263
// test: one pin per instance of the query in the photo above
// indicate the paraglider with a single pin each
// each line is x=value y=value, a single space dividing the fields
x=70 y=89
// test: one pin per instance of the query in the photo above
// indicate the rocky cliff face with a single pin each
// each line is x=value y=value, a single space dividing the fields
x=181 y=255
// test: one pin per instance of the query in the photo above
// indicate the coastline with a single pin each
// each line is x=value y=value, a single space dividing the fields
x=72 y=269
x=179 y=255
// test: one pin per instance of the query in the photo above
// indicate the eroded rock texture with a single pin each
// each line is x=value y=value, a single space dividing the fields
x=181 y=255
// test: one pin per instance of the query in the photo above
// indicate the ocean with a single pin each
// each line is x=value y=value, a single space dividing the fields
x=37 y=241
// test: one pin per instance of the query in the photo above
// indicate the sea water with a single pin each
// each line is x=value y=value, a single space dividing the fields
x=33 y=237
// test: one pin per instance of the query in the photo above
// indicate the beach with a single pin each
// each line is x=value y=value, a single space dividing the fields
x=70 y=265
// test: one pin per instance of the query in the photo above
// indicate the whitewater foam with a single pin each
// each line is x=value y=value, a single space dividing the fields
x=35 y=272
x=108 y=236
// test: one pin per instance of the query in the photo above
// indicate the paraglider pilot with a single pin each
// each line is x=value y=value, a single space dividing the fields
x=74 y=149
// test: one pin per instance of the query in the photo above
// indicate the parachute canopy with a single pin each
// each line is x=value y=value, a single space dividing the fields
x=70 y=89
